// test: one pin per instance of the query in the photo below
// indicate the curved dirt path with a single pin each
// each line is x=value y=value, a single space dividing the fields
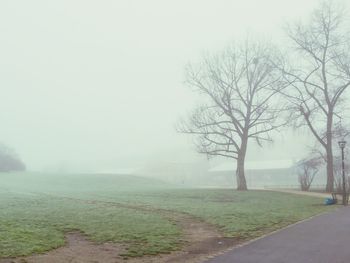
x=201 y=240
x=298 y=192
x=77 y=250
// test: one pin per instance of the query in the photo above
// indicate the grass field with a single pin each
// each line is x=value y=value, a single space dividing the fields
x=36 y=210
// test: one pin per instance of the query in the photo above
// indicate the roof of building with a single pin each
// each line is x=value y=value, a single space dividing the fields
x=258 y=165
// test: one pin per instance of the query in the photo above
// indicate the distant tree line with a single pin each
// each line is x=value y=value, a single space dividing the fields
x=252 y=89
x=9 y=161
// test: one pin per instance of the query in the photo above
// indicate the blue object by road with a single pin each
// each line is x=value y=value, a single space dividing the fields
x=329 y=201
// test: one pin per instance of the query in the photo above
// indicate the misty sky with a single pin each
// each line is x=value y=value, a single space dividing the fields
x=100 y=83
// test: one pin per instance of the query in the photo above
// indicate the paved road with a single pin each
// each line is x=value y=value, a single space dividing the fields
x=322 y=239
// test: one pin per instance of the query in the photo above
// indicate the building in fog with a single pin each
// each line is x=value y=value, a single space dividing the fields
x=258 y=174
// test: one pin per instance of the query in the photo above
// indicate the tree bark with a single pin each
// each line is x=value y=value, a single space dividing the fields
x=240 y=175
x=329 y=154
x=330 y=174
x=330 y=171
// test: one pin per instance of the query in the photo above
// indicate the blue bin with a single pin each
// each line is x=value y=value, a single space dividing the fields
x=329 y=201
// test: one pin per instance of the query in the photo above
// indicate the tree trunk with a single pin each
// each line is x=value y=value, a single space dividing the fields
x=329 y=155
x=330 y=171
x=240 y=176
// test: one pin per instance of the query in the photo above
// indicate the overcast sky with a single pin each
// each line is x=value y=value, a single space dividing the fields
x=95 y=83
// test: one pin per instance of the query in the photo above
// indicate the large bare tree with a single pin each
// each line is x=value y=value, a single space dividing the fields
x=319 y=75
x=307 y=170
x=238 y=86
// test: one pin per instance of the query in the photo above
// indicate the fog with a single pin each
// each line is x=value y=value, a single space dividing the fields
x=98 y=85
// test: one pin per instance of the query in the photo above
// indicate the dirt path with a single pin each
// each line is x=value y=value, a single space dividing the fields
x=200 y=241
x=297 y=192
x=77 y=250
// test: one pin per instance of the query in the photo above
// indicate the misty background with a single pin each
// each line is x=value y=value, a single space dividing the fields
x=98 y=85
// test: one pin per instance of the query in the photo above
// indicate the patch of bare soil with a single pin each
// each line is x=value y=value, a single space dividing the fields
x=201 y=240
x=77 y=250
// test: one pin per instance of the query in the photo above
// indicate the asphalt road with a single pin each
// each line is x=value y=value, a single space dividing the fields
x=322 y=239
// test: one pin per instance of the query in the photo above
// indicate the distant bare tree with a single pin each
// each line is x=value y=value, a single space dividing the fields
x=9 y=161
x=307 y=170
x=238 y=85
x=320 y=77
x=341 y=132
x=338 y=173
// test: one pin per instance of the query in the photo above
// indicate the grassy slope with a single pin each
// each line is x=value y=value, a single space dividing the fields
x=239 y=214
x=34 y=215
x=30 y=224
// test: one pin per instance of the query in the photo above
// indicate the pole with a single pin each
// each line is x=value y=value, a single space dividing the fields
x=345 y=201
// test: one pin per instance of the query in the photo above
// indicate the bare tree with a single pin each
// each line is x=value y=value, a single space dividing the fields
x=9 y=160
x=237 y=85
x=307 y=170
x=341 y=132
x=320 y=77
x=338 y=174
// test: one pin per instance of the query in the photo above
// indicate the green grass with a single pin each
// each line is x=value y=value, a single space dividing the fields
x=237 y=214
x=32 y=224
x=37 y=209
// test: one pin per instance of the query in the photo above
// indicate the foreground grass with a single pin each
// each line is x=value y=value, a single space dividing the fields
x=37 y=210
x=33 y=224
x=243 y=215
